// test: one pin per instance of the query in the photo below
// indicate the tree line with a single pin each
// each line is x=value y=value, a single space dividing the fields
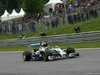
x=30 y=6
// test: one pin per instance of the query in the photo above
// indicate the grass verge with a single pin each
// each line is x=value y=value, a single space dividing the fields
x=85 y=26
x=64 y=46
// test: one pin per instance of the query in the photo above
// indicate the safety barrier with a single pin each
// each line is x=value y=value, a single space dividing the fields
x=55 y=39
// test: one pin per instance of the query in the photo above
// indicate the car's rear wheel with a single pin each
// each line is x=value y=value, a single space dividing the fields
x=26 y=55
x=70 y=50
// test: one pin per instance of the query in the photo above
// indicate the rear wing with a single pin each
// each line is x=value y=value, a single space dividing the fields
x=33 y=45
x=36 y=44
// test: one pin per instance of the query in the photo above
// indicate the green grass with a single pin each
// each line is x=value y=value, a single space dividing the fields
x=86 y=26
x=80 y=45
x=91 y=25
x=64 y=46
x=20 y=48
x=17 y=36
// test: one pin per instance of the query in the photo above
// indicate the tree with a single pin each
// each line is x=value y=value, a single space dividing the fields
x=20 y=3
x=2 y=8
x=3 y=1
x=33 y=6
x=45 y=1
x=11 y=4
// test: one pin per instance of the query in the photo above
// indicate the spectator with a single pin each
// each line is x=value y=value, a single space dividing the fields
x=50 y=10
x=70 y=19
x=77 y=29
x=94 y=12
x=63 y=19
x=75 y=18
x=79 y=17
x=53 y=23
x=33 y=26
x=20 y=27
x=23 y=25
x=47 y=24
x=56 y=22
x=43 y=34
x=30 y=26
x=22 y=37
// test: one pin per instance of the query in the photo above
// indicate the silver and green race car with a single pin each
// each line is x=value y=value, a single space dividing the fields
x=42 y=51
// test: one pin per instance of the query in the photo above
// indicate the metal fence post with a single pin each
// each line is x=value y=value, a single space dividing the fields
x=65 y=12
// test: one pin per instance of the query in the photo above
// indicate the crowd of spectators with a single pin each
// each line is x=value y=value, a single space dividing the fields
x=77 y=11
x=18 y=26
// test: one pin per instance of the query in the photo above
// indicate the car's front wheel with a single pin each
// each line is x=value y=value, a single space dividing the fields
x=26 y=55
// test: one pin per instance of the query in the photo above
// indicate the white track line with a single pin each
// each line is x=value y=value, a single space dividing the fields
x=92 y=73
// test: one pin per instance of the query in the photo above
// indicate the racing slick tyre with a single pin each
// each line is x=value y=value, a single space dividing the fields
x=70 y=50
x=46 y=53
x=26 y=55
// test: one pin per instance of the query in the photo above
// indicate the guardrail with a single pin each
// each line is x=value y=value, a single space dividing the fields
x=55 y=39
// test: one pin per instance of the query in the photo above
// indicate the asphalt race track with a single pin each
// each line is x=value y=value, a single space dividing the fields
x=11 y=63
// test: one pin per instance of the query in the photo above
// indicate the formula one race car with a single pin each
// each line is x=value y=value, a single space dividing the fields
x=45 y=52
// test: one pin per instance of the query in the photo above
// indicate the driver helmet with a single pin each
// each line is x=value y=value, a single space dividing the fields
x=44 y=44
